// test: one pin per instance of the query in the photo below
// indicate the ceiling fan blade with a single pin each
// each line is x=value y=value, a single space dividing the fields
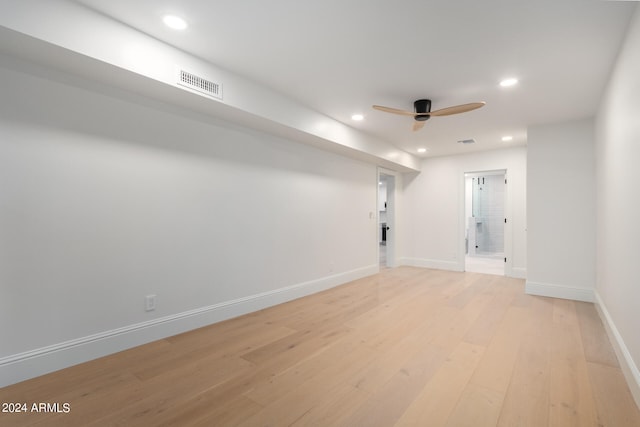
x=457 y=109
x=394 y=110
x=418 y=125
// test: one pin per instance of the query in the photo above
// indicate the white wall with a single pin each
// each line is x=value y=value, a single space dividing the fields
x=433 y=209
x=618 y=196
x=561 y=210
x=104 y=200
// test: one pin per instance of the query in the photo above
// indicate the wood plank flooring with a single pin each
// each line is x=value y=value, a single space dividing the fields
x=406 y=347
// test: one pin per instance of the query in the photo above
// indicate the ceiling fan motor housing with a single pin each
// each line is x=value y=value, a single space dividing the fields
x=422 y=106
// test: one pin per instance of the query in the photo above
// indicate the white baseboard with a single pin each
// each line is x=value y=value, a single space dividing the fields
x=30 y=364
x=628 y=366
x=559 y=291
x=431 y=263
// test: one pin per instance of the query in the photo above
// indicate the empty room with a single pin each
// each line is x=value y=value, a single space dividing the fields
x=357 y=213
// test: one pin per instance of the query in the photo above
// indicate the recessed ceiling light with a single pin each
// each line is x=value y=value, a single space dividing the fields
x=508 y=82
x=422 y=150
x=174 y=22
x=507 y=138
x=357 y=117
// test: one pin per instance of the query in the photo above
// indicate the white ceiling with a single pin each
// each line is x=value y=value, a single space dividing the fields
x=339 y=57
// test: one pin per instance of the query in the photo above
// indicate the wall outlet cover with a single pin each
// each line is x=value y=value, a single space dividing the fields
x=150 y=303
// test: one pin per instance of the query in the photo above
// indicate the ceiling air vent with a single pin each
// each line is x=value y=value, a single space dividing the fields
x=199 y=84
x=467 y=141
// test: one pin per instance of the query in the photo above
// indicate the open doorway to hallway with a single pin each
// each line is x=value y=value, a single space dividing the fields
x=386 y=219
x=485 y=194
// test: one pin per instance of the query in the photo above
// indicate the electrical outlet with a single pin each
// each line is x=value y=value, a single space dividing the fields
x=150 y=303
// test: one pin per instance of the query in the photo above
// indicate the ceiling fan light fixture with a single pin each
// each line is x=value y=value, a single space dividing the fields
x=357 y=117
x=174 y=22
x=422 y=111
x=509 y=82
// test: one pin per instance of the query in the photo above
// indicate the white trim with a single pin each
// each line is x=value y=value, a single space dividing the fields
x=431 y=263
x=559 y=291
x=509 y=270
x=519 y=272
x=32 y=363
x=629 y=368
x=392 y=215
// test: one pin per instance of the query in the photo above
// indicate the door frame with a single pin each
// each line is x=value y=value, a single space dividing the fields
x=508 y=229
x=392 y=191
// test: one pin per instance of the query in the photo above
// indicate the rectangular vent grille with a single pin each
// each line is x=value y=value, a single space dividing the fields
x=205 y=86
x=467 y=141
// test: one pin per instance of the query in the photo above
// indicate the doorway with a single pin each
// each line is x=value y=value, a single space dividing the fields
x=485 y=220
x=386 y=219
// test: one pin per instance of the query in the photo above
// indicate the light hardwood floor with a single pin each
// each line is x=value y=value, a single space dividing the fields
x=406 y=347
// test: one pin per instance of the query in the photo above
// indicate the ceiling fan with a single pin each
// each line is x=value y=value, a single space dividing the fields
x=423 y=111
